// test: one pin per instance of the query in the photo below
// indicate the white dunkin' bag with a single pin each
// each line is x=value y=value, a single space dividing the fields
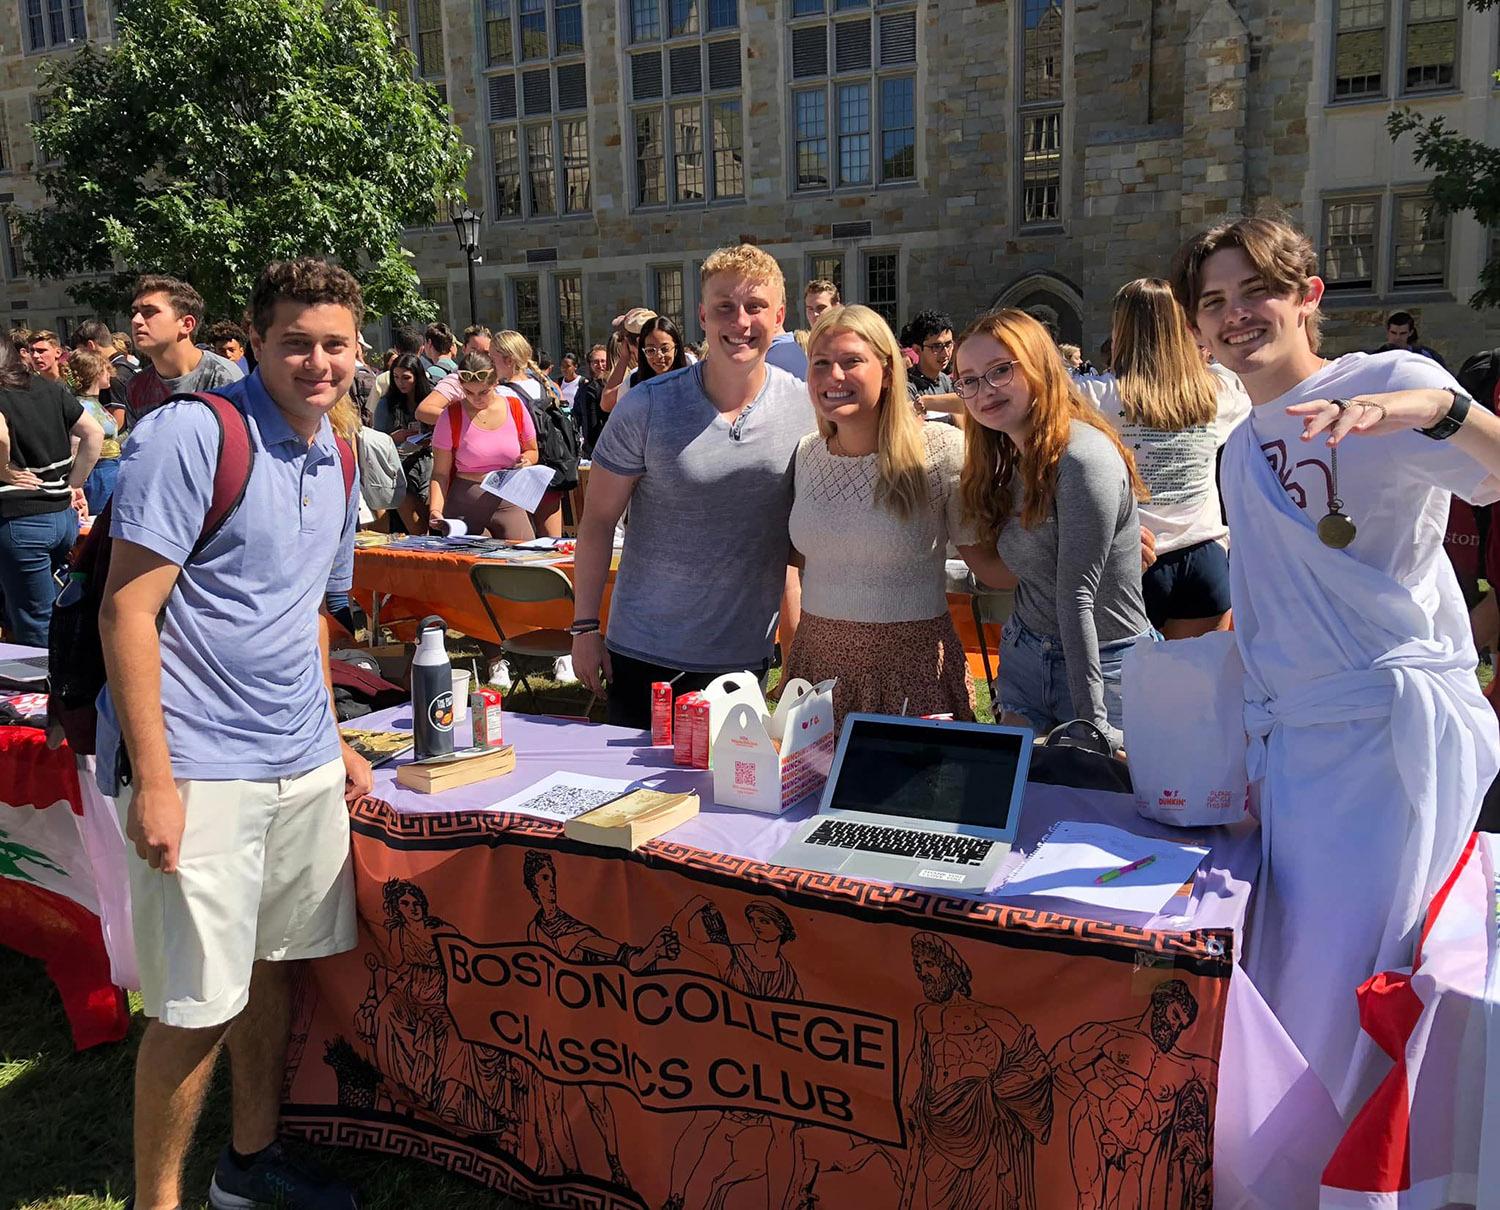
x=1185 y=729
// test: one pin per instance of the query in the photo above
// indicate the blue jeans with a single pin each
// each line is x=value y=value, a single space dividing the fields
x=32 y=549
x=1033 y=679
x=100 y=485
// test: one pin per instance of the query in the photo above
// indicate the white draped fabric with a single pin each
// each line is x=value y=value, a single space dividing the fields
x=1371 y=746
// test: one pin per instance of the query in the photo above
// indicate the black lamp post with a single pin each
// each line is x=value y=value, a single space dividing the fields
x=466 y=222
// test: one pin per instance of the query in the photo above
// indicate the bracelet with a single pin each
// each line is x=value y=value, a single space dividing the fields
x=587 y=626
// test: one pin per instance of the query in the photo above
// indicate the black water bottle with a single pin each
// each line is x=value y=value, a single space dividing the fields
x=432 y=692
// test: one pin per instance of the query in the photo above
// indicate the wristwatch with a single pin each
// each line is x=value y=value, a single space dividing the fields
x=1452 y=420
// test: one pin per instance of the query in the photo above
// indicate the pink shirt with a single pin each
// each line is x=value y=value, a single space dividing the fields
x=481 y=451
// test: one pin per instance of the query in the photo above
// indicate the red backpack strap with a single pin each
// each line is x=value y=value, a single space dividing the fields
x=346 y=463
x=455 y=414
x=232 y=471
x=517 y=410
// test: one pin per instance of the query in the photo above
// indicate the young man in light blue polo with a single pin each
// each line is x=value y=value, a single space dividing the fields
x=218 y=737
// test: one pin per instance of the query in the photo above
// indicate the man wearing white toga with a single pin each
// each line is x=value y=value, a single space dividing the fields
x=1370 y=745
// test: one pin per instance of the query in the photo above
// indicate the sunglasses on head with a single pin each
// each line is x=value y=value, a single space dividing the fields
x=475 y=375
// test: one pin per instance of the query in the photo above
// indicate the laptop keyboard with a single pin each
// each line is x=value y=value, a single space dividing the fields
x=901 y=842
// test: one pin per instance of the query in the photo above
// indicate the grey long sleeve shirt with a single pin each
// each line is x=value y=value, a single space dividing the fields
x=1080 y=569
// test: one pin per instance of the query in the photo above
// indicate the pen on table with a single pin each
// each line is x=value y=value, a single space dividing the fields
x=1111 y=875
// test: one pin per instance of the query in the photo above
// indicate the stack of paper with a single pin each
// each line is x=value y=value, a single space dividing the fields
x=523 y=486
x=563 y=796
x=1073 y=857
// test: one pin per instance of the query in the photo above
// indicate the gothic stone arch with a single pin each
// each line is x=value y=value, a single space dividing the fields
x=1054 y=300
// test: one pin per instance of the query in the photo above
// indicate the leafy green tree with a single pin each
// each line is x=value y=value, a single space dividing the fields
x=212 y=137
x=1466 y=176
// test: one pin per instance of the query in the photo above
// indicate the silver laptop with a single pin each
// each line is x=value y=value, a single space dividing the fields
x=29 y=670
x=915 y=801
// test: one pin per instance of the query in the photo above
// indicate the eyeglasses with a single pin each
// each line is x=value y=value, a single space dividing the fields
x=656 y=352
x=938 y=346
x=475 y=375
x=997 y=376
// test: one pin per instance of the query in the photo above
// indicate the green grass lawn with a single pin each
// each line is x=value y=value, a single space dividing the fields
x=65 y=1117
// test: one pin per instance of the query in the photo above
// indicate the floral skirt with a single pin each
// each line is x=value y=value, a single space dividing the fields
x=881 y=666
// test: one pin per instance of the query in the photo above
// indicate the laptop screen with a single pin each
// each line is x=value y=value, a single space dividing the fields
x=949 y=774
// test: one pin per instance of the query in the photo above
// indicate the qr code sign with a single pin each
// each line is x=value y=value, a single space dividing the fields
x=744 y=773
x=566 y=802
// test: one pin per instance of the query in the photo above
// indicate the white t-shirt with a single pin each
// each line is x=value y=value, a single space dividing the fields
x=1394 y=488
x=529 y=387
x=1234 y=401
x=570 y=389
x=1178 y=468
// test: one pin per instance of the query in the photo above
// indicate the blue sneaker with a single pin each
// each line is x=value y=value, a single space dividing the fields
x=276 y=1179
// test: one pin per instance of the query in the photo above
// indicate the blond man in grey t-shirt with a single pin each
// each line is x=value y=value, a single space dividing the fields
x=703 y=458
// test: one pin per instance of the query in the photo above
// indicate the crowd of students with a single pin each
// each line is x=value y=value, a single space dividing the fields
x=808 y=484
x=876 y=496
x=1371 y=746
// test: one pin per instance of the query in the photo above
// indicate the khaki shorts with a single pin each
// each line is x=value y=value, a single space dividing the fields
x=264 y=874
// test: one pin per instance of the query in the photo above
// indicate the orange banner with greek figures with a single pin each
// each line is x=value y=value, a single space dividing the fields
x=677 y=1029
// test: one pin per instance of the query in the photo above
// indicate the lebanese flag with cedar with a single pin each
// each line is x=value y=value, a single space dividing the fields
x=49 y=901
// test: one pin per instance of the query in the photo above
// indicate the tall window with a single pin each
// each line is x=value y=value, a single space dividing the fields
x=52 y=23
x=687 y=117
x=1040 y=121
x=1359 y=49
x=526 y=308
x=881 y=285
x=667 y=293
x=39 y=113
x=1350 y=229
x=1431 y=45
x=853 y=106
x=419 y=28
x=537 y=100
x=15 y=254
x=826 y=266
x=437 y=294
x=571 y=331
x=1419 y=256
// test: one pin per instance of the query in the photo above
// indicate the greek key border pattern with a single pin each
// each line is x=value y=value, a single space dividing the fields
x=493 y=1170
x=1211 y=950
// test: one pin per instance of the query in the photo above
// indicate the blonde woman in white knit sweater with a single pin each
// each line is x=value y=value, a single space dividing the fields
x=876 y=505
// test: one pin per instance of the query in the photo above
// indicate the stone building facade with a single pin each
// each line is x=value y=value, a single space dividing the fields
x=953 y=154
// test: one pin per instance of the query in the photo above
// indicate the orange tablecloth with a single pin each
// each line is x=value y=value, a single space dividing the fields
x=413 y=584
